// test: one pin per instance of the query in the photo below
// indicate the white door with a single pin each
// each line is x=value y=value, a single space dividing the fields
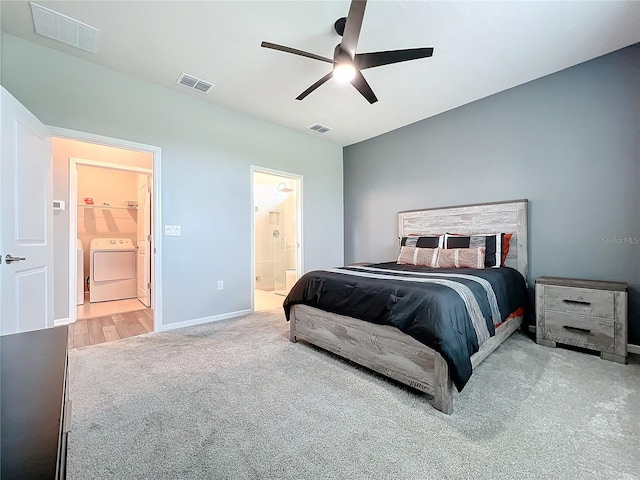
x=26 y=223
x=144 y=239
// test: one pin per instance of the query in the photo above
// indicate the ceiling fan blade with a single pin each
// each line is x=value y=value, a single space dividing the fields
x=376 y=59
x=315 y=85
x=363 y=87
x=352 y=27
x=295 y=51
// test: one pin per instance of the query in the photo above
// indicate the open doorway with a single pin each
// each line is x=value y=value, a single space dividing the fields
x=112 y=229
x=111 y=261
x=277 y=235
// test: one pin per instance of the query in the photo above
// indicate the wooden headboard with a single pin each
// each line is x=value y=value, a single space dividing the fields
x=498 y=217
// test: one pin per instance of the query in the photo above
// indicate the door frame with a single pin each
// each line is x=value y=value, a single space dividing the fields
x=299 y=254
x=156 y=213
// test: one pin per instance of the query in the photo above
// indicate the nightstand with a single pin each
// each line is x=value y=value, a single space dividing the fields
x=584 y=313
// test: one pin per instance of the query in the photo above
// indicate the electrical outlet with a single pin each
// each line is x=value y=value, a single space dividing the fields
x=173 y=230
x=220 y=285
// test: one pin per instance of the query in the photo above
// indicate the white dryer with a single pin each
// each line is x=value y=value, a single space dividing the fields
x=112 y=268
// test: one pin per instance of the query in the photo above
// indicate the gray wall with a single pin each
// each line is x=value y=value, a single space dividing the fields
x=568 y=142
x=206 y=156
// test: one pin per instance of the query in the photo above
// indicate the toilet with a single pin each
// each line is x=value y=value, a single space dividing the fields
x=112 y=266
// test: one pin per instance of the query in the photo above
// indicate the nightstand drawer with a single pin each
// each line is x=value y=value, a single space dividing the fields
x=588 y=330
x=580 y=301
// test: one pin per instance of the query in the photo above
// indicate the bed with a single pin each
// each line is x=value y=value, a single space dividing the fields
x=427 y=327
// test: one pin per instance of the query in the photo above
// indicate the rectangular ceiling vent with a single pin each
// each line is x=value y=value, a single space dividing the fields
x=51 y=24
x=318 y=127
x=194 y=83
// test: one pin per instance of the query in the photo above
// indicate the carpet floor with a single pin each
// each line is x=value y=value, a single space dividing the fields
x=236 y=400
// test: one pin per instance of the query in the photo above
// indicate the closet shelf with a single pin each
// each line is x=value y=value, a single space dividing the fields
x=109 y=207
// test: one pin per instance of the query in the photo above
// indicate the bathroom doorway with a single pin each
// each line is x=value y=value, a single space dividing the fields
x=277 y=235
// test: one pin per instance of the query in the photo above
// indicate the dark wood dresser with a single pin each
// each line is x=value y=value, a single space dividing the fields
x=35 y=410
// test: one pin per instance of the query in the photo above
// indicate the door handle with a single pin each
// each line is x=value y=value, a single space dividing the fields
x=10 y=258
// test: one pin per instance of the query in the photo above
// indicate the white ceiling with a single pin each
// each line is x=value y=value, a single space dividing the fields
x=481 y=48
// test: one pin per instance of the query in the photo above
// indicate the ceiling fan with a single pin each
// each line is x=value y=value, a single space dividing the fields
x=347 y=64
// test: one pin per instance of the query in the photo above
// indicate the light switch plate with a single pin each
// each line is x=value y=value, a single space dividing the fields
x=172 y=230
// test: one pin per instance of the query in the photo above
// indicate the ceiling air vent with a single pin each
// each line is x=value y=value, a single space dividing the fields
x=51 y=24
x=194 y=83
x=318 y=127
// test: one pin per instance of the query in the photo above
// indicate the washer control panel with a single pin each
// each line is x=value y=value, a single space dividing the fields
x=111 y=243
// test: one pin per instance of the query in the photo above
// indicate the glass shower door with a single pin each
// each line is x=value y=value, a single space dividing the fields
x=285 y=242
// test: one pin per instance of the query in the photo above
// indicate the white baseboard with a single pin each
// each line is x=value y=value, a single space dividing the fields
x=62 y=321
x=199 y=321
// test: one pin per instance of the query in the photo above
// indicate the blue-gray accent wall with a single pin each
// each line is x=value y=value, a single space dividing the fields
x=568 y=142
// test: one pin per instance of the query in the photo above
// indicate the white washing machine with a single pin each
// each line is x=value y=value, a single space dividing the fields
x=112 y=268
x=80 y=265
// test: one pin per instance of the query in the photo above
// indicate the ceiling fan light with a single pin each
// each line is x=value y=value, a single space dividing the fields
x=344 y=72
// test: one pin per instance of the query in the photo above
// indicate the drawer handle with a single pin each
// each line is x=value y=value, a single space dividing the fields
x=576 y=302
x=586 y=331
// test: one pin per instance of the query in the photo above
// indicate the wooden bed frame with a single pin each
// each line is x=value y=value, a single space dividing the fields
x=387 y=350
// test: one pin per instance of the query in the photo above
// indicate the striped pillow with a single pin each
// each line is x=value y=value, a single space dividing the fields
x=425 y=257
x=425 y=241
x=461 y=258
x=491 y=243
